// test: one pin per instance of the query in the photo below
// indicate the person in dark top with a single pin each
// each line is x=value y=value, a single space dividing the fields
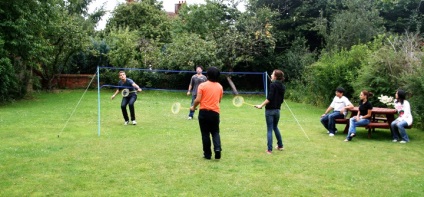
x=272 y=108
x=364 y=115
x=128 y=99
x=195 y=81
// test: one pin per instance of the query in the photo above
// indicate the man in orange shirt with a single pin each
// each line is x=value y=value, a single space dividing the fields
x=209 y=95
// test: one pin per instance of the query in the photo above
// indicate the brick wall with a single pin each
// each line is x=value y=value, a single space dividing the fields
x=72 y=81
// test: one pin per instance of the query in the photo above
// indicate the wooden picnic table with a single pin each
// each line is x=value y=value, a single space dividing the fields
x=387 y=115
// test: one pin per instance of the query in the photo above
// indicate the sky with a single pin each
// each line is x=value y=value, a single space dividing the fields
x=168 y=5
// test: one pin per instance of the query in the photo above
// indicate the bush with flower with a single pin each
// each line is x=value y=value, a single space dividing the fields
x=387 y=100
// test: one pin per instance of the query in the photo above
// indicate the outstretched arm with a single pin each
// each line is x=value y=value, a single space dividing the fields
x=327 y=111
x=116 y=92
x=196 y=102
x=263 y=104
x=137 y=87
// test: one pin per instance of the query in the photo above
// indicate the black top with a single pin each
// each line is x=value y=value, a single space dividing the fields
x=275 y=95
x=364 y=107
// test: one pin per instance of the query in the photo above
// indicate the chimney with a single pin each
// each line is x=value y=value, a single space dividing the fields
x=178 y=6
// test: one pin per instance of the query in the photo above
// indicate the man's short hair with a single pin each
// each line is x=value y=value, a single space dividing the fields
x=213 y=74
x=341 y=90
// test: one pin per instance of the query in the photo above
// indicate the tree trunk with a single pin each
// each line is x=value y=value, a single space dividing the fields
x=30 y=84
x=233 y=87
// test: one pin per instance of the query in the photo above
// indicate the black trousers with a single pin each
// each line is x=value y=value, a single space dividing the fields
x=209 y=126
x=129 y=100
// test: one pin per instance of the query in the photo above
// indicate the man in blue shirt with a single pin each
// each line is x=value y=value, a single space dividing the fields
x=130 y=98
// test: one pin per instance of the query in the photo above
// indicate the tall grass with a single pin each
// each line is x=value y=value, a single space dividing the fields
x=162 y=154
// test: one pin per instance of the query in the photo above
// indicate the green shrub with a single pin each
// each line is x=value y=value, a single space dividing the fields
x=297 y=58
x=380 y=74
x=332 y=71
x=415 y=86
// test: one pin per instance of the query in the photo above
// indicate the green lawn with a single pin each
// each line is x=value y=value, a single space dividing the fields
x=162 y=155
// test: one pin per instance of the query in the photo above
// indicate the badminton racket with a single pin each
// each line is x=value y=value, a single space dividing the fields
x=126 y=92
x=176 y=107
x=238 y=101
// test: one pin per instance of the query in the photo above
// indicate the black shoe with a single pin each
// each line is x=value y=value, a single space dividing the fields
x=208 y=158
x=217 y=154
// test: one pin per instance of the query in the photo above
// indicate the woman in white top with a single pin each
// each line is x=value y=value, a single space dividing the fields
x=404 y=119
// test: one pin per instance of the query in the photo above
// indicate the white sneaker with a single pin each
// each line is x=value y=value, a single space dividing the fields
x=329 y=131
x=402 y=142
x=279 y=148
x=394 y=140
x=331 y=134
x=189 y=118
x=134 y=122
x=126 y=123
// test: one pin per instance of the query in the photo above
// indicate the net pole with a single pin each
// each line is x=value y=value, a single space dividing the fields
x=266 y=84
x=98 y=102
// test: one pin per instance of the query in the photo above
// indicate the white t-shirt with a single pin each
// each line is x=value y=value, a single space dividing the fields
x=404 y=111
x=339 y=103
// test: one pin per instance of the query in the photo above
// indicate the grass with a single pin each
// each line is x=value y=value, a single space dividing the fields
x=162 y=155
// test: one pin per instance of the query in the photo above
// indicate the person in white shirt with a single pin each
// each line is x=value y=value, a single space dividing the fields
x=338 y=109
x=404 y=119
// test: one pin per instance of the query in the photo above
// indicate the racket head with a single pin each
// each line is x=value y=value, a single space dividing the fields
x=125 y=92
x=238 y=101
x=176 y=108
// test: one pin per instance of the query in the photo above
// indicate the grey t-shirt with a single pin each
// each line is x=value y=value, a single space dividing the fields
x=195 y=81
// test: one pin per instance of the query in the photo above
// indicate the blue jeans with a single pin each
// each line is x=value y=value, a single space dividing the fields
x=353 y=124
x=272 y=116
x=191 y=113
x=398 y=127
x=329 y=121
x=129 y=100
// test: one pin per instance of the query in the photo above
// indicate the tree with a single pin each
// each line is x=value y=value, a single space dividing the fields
x=8 y=80
x=239 y=37
x=358 y=23
x=63 y=36
x=40 y=36
x=145 y=17
x=189 y=50
x=123 y=45
x=401 y=16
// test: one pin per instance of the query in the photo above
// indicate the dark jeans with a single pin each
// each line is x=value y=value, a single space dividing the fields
x=209 y=126
x=272 y=116
x=329 y=121
x=191 y=113
x=129 y=100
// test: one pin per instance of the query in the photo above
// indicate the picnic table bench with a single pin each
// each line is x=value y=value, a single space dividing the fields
x=381 y=118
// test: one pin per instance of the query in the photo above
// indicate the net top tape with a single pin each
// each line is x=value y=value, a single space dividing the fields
x=180 y=71
x=174 y=90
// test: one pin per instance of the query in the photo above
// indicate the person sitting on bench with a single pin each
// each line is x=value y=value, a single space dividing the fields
x=364 y=116
x=339 y=105
x=404 y=119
